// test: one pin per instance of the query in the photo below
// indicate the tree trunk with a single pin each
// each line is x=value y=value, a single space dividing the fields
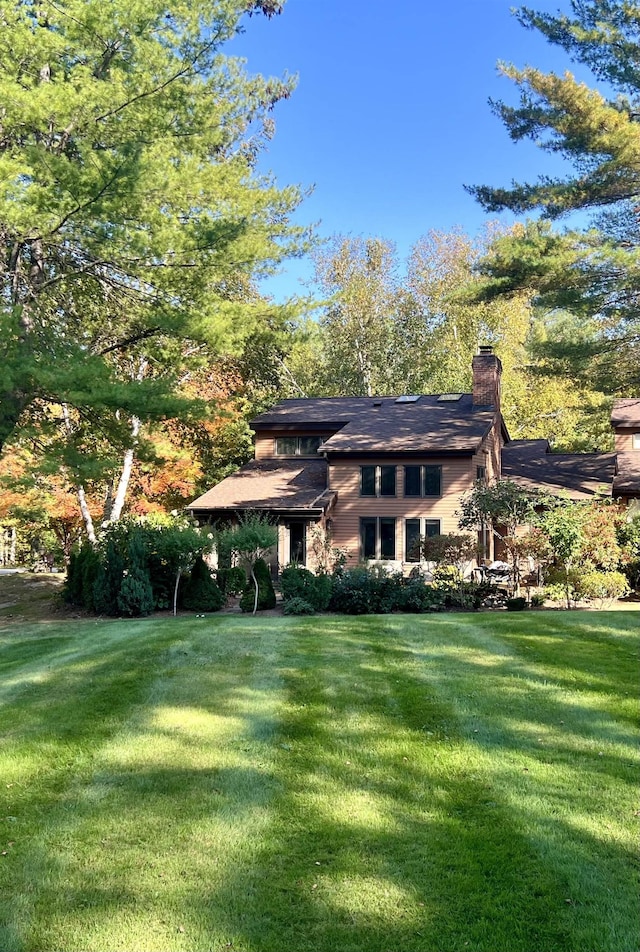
x=125 y=475
x=255 y=582
x=175 y=594
x=86 y=515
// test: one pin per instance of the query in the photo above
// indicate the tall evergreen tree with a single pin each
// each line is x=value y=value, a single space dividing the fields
x=132 y=218
x=594 y=273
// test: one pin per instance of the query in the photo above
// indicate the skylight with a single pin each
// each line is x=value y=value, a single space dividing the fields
x=449 y=397
x=408 y=398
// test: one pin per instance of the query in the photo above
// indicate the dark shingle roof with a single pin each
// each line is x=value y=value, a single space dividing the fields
x=626 y=412
x=627 y=478
x=278 y=484
x=381 y=424
x=581 y=475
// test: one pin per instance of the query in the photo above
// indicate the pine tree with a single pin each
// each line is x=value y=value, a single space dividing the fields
x=592 y=273
x=132 y=219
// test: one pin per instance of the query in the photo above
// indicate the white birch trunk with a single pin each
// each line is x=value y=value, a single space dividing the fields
x=125 y=475
x=86 y=515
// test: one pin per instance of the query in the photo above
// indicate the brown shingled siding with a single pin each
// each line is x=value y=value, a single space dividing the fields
x=624 y=441
x=457 y=477
x=265 y=446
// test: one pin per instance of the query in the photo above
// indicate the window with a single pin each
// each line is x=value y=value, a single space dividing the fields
x=423 y=480
x=414 y=530
x=432 y=481
x=377 y=480
x=387 y=480
x=412 y=540
x=378 y=537
x=297 y=445
x=481 y=474
x=636 y=441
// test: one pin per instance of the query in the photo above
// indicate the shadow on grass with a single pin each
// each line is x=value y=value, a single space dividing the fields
x=354 y=813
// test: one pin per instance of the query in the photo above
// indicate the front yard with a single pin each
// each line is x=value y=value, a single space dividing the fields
x=396 y=783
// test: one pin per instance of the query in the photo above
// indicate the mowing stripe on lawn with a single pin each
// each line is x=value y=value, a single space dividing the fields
x=381 y=783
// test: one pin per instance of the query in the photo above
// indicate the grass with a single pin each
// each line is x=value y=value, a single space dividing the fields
x=389 y=784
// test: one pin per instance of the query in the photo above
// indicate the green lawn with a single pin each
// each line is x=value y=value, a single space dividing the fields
x=385 y=784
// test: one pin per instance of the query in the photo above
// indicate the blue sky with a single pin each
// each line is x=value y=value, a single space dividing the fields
x=390 y=116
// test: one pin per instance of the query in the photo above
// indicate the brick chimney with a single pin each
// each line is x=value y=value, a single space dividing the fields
x=487 y=371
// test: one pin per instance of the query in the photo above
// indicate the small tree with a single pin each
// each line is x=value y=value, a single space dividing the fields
x=448 y=549
x=563 y=525
x=504 y=507
x=249 y=540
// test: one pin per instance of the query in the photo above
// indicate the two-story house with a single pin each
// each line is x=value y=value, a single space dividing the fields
x=379 y=472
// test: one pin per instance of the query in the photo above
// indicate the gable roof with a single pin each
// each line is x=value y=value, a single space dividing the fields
x=282 y=485
x=626 y=412
x=531 y=464
x=386 y=424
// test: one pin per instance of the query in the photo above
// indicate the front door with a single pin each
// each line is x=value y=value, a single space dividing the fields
x=297 y=542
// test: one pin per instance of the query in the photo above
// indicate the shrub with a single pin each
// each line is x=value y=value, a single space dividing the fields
x=537 y=600
x=108 y=582
x=266 y=592
x=232 y=581
x=417 y=597
x=447 y=577
x=364 y=591
x=297 y=582
x=602 y=586
x=83 y=570
x=468 y=596
x=516 y=604
x=297 y=606
x=353 y=593
x=136 y=595
x=201 y=594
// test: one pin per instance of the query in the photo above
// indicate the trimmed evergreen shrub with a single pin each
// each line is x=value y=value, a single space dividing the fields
x=516 y=604
x=297 y=606
x=84 y=567
x=201 y=594
x=136 y=594
x=108 y=581
x=266 y=592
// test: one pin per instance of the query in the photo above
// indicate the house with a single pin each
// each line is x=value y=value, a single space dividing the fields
x=379 y=472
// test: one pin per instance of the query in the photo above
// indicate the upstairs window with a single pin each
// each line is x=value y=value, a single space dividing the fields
x=423 y=480
x=297 y=445
x=481 y=474
x=377 y=480
x=636 y=441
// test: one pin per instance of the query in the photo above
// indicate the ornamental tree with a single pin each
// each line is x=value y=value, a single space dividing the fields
x=249 y=540
x=504 y=507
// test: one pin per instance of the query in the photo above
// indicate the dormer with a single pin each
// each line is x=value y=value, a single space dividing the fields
x=625 y=420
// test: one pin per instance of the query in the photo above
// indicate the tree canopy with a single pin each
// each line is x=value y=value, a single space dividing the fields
x=132 y=217
x=592 y=273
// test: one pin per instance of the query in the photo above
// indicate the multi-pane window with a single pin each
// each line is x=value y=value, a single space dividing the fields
x=481 y=474
x=636 y=441
x=377 y=480
x=414 y=530
x=423 y=480
x=297 y=445
x=377 y=537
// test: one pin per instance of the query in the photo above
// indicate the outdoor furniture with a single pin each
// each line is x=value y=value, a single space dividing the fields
x=498 y=573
